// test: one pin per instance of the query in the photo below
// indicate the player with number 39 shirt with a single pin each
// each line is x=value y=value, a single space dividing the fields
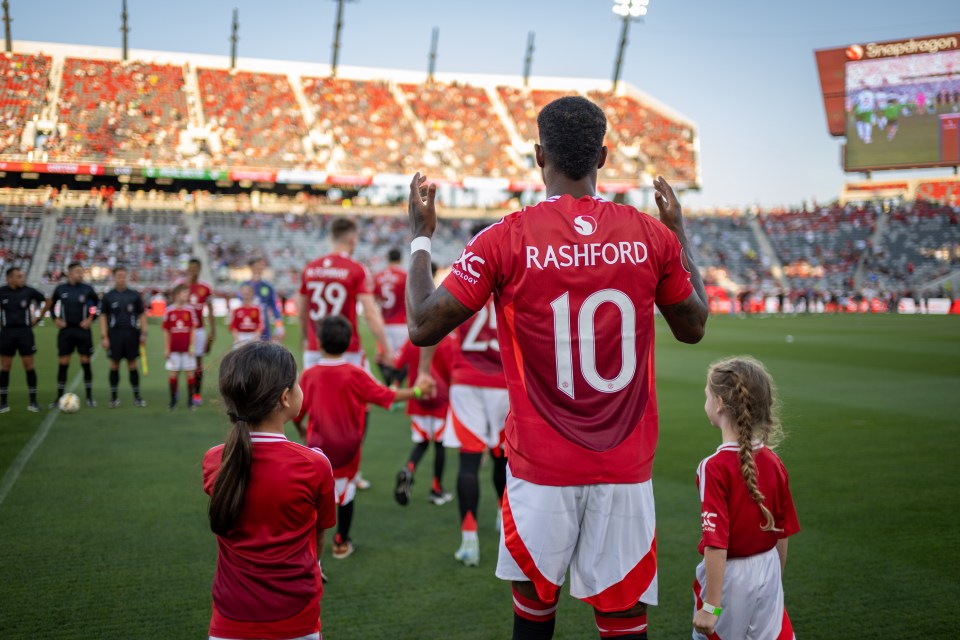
x=574 y=280
x=333 y=285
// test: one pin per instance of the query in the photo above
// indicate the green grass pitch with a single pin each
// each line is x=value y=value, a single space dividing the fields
x=104 y=533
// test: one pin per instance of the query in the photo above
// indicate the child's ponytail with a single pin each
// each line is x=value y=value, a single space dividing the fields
x=253 y=377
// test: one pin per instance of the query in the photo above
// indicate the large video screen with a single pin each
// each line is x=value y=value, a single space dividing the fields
x=902 y=111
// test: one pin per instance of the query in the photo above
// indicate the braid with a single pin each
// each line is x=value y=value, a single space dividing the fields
x=748 y=466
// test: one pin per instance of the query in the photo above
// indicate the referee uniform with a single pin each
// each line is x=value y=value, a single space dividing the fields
x=16 y=335
x=122 y=311
x=75 y=304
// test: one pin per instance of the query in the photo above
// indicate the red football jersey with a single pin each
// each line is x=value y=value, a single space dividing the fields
x=335 y=396
x=440 y=369
x=575 y=282
x=331 y=284
x=267 y=583
x=730 y=519
x=390 y=286
x=477 y=362
x=247 y=319
x=180 y=323
x=200 y=293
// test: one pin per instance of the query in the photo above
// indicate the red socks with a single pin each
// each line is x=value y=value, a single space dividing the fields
x=534 y=610
x=622 y=628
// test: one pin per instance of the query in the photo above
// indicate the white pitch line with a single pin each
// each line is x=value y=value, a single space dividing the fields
x=13 y=473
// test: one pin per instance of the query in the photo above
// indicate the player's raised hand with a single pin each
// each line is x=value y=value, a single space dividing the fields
x=422 y=209
x=671 y=214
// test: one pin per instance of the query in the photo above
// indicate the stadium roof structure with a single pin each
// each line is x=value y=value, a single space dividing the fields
x=197 y=130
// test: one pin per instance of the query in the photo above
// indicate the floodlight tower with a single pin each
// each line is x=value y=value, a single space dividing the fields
x=234 y=38
x=629 y=11
x=124 y=29
x=432 y=65
x=528 y=60
x=337 y=28
x=6 y=25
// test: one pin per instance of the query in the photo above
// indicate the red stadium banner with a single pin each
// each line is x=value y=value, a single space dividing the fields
x=348 y=180
x=56 y=167
x=616 y=186
x=253 y=175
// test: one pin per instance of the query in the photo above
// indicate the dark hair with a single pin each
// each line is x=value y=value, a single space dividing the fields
x=252 y=379
x=195 y=261
x=72 y=265
x=342 y=227
x=335 y=334
x=254 y=260
x=119 y=267
x=13 y=270
x=394 y=255
x=571 y=134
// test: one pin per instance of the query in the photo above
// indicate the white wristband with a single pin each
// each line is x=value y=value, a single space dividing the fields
x=420 y=243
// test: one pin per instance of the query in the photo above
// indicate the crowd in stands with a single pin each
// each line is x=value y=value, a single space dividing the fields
x=25 y=86
x=366 y=123
x=112 y=111
x=256 y=117
x=729 y=251
x=154 y=244
x=19 y=234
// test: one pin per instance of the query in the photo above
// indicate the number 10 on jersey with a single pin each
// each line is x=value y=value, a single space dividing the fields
x=586 y=330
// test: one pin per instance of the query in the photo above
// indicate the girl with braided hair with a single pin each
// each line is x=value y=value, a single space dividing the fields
x=747 y=512
x=270 y=502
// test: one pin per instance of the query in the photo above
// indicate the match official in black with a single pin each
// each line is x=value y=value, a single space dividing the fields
x=16 y=333
x=123 y=328
x=77 y=307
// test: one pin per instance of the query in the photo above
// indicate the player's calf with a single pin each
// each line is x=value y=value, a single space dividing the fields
x=623 y=625
x=533 y=619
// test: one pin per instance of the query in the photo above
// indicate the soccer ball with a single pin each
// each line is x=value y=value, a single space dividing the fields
x=69 y=403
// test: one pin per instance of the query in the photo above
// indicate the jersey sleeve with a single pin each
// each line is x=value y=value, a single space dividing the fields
x=326 y=494
x=138 y=307
x=474 y=275
x=166 y=321
x=404 y=356
x=714 y=514
x=365 y=281
x=93 y=301
x=37 y=297
x=674 y=283
x=232 y=320
x=786 y=514
x=372 y=392
x=211 y=467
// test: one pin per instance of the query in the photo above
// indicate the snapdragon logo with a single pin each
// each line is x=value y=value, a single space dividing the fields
x=908 y=47
x=585 y=225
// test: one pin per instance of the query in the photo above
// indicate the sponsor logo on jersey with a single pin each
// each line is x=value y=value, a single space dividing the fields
x=464 y=269
x=707 y=521
x=585 y=225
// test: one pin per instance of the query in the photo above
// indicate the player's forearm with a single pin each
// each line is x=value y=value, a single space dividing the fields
x=695 y=278
x=782 y=552
x=142 y=322
x=375 y=324
x=213 y=321
x=403 y=395
x=103 y=326
x=426 y=360
x=303 y=313
x=420 y=287
x=715 y=562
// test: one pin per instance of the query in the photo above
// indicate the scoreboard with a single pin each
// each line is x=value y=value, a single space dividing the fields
x=897 y=103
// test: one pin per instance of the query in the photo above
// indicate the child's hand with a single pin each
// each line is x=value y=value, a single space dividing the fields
x=166 y=354
x=704 y=622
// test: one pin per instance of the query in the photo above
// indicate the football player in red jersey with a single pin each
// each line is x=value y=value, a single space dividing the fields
x=332 y=285
x=200 y=299
x=388 y=289
x=180 y=324
x=575 y=280
x=747 y=512
x=270 y=502
x=246 y=321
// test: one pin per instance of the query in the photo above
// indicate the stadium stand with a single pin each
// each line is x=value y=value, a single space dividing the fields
x=524 y=106
x=366 y=125
x=463 y=129
x=131 y=113
x=256 y=116
x=19 y=234
x=728 y=251
x=26 y=80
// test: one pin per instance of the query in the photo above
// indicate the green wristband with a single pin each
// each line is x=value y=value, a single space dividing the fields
x=417 y=393
x=712 y=610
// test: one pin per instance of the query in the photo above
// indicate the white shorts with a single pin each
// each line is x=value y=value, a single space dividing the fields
x=243 y=338
x=346 y=490
x=359 y=358
x=397 y=334
x=476 y=417
x=181 y=362
x=752 y=600
x=605 y=534
x=200 y=341
x=427 y=428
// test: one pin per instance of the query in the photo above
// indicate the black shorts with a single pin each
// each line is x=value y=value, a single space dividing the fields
x=72 y=339
x=124 y=344
x=17 y=340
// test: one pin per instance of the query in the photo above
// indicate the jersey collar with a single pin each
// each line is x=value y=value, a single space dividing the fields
x=733 y=446
x=330 y=363
x=264 y=436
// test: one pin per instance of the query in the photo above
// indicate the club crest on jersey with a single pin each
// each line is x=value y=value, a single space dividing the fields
x=585 y=225
x=464 y=267
x=707 y=521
